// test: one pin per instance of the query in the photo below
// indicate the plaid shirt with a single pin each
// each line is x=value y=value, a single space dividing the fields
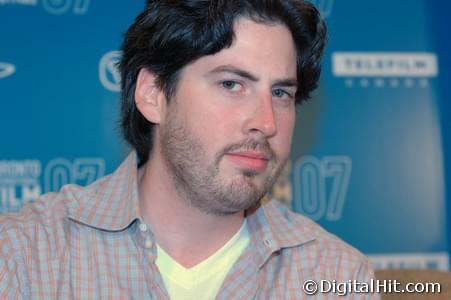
x=89 y=243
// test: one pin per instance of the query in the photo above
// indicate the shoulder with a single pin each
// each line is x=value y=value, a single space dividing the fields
x=43 y=220
x=38 y=221
x=26 y=236
x=34 y=241
x=315 y=248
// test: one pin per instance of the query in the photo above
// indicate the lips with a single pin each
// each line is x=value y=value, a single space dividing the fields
x=256 y=161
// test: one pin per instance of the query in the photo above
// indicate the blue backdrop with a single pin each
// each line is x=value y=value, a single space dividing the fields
x=370 y=158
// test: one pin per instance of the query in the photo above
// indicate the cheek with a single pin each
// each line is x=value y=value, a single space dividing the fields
x=209 y=125
x=214 y=118
x=285 y=129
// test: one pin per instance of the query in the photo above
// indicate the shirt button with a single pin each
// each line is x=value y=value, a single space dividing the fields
x=143 y=227
x=268 y=243
x=148 y=244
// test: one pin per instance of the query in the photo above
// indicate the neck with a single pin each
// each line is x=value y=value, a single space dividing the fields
x=186 y=233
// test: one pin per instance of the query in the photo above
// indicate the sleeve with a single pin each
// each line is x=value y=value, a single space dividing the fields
x=13 y=275
x=365 y=275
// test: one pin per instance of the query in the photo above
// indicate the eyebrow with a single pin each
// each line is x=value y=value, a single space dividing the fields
x=248 y=75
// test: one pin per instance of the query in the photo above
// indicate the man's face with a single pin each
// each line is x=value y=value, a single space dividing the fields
x=227 y=132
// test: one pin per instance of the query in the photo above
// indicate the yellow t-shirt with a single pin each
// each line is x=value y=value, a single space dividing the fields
x=204 y=279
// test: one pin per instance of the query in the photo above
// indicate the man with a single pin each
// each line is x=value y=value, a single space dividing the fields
x=209 y=90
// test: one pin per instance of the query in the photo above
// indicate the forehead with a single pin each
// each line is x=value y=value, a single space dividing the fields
x=264 y=49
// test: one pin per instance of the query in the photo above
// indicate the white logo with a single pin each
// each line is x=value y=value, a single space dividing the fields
x=385 y=68
x=320 y=186
x=58 y=7
x=6 y=69
x=19 y=183
x=324 y=6
x=81 y=171
x=19 y=2
x=108 y=72
x=435 y=261
x=384 y=64
x=20 y=179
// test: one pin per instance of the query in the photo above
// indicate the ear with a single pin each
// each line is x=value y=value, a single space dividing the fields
x=149 y=99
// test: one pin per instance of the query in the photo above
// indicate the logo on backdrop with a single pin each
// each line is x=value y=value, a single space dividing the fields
x=320 y=186
x=19 y=183
x=59 y=7
x=55 y=7
x=282 y=188
x=433 y=260
x=317 y=187
x=81 y=171
x=324 y=6
x=20 y=180
x=6 y=69
x=108 y=71
x=385 y=69
x=19 y=2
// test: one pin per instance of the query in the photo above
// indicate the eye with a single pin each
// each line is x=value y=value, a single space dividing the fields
x=231 y=85
x=280 y=93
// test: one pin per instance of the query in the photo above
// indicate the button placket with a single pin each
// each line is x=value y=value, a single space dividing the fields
x=268 y=243
x=143 y=227
x=145 y=235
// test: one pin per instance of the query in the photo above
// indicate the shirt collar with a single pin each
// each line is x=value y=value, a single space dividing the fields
x=274 y=227
x=111 y=203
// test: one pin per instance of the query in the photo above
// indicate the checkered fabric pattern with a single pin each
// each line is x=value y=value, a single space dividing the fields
x=88 y=243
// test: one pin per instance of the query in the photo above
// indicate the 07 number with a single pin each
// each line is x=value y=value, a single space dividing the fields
x=320 y=186
x=82 y=171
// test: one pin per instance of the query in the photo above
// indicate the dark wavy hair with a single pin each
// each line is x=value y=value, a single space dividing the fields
x=169 y=34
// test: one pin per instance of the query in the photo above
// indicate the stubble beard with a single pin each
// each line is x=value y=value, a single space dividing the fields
x=199 y=182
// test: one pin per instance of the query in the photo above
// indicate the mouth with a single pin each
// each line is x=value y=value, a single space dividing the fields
x=249 y=160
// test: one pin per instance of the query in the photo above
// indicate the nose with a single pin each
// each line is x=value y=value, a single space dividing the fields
x=261 y=119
